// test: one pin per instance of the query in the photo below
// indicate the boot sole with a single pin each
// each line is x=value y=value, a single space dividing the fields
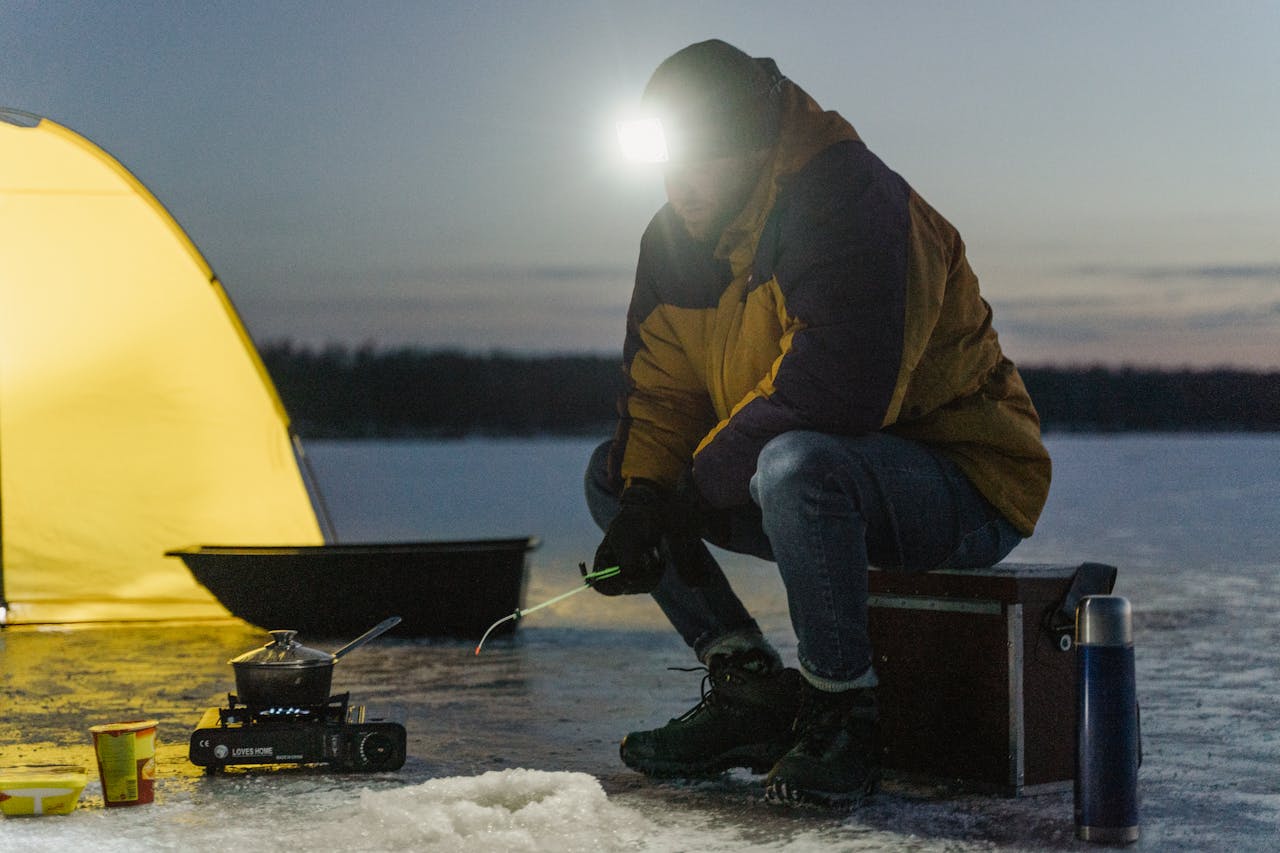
x=781 y=793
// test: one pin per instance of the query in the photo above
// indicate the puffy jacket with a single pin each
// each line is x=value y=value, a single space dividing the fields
x=837 y=301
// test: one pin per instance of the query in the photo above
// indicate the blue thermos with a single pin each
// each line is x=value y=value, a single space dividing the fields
x=1108 y=748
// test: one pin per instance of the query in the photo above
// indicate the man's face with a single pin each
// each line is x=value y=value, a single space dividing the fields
x=707 y=195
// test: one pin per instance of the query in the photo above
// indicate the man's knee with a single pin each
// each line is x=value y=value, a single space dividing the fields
x=786 y=461
x=598 y=464
x=602 y=497
x=794 y=460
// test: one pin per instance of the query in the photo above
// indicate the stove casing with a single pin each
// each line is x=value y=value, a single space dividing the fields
x=336 y=735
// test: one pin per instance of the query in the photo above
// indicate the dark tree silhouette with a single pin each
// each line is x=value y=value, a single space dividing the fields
x=337 y=392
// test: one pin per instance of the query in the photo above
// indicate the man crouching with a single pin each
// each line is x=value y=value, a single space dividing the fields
x=813 y=379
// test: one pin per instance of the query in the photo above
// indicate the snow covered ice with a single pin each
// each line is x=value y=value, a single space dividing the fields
x=517 y=749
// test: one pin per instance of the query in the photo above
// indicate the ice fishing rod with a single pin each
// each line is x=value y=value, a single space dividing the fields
x=587 y=579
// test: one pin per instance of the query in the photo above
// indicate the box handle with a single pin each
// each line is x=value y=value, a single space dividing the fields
x=1090 y=579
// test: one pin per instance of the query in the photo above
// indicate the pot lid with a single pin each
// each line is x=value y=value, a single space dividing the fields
x=284 y=650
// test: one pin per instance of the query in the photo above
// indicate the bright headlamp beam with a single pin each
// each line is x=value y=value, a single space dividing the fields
x=643 y=141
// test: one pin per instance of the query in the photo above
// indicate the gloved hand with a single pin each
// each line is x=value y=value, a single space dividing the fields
x=632 y=543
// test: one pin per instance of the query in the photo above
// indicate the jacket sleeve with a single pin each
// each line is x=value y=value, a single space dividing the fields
x=664 y=410
x=835 y=248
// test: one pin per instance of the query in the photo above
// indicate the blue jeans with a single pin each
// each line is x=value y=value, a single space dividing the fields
x=825 y=507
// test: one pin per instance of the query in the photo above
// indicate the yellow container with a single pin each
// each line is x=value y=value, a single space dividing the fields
x=41 y=789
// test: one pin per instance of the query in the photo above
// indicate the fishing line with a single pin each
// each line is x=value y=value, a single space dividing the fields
x=586 y=584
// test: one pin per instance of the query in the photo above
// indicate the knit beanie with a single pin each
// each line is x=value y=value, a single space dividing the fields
x=715 y=101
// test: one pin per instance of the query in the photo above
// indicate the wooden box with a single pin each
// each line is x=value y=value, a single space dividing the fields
x=977 y=672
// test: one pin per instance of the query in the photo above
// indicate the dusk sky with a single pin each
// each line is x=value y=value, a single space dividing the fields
x=445 y=174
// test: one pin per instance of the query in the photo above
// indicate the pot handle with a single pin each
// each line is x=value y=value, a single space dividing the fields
x=376 y=631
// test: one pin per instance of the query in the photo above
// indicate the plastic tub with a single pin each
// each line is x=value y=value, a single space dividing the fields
x=41 y=789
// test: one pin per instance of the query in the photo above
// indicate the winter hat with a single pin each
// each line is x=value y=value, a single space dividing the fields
x=715 y=101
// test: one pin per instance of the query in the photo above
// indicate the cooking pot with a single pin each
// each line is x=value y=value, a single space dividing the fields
x=286 y=673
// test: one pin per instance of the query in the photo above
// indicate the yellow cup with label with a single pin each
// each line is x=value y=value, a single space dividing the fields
x=126 y=755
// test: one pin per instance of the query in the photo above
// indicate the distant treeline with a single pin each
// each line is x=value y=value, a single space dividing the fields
x=337 y=392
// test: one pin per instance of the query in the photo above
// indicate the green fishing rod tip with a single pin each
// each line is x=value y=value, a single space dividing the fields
x=587 y=577
x=601 y=574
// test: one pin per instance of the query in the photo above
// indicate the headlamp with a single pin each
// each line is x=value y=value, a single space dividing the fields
x=643 y=141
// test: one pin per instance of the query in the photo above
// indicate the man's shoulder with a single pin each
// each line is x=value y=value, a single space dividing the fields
x=663 y=229
x=666 y=243
x=843 y=171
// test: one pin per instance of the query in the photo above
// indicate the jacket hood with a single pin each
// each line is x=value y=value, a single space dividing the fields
x=805 y=129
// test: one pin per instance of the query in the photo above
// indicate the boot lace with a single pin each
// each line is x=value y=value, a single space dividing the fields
x=707 y=690
x=822 y=719
x=816 y=723
x=712 y=679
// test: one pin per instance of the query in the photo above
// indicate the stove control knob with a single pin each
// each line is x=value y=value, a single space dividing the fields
x=375 y=749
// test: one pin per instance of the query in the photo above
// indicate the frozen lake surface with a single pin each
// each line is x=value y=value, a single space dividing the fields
x=517 y=749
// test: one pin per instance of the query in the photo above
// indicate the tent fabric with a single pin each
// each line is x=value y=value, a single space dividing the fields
x=135 y=413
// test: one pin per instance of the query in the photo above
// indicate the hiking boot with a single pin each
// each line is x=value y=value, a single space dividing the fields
x=836 y=760
x=743 y=720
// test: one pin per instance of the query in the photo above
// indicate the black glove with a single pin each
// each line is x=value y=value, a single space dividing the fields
x=632 y=543
x=655 y=525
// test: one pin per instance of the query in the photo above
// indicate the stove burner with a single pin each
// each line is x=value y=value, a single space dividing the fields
x=335 y=709
x=334 y=733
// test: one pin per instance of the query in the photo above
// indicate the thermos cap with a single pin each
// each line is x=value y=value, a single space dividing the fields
x=1104 y=620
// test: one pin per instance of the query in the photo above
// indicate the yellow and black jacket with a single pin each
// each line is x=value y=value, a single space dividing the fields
x=837 y=301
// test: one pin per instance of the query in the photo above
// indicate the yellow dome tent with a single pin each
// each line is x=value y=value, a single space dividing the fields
x=135 y=414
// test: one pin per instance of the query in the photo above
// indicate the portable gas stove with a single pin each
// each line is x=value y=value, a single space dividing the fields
x=334 y=733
